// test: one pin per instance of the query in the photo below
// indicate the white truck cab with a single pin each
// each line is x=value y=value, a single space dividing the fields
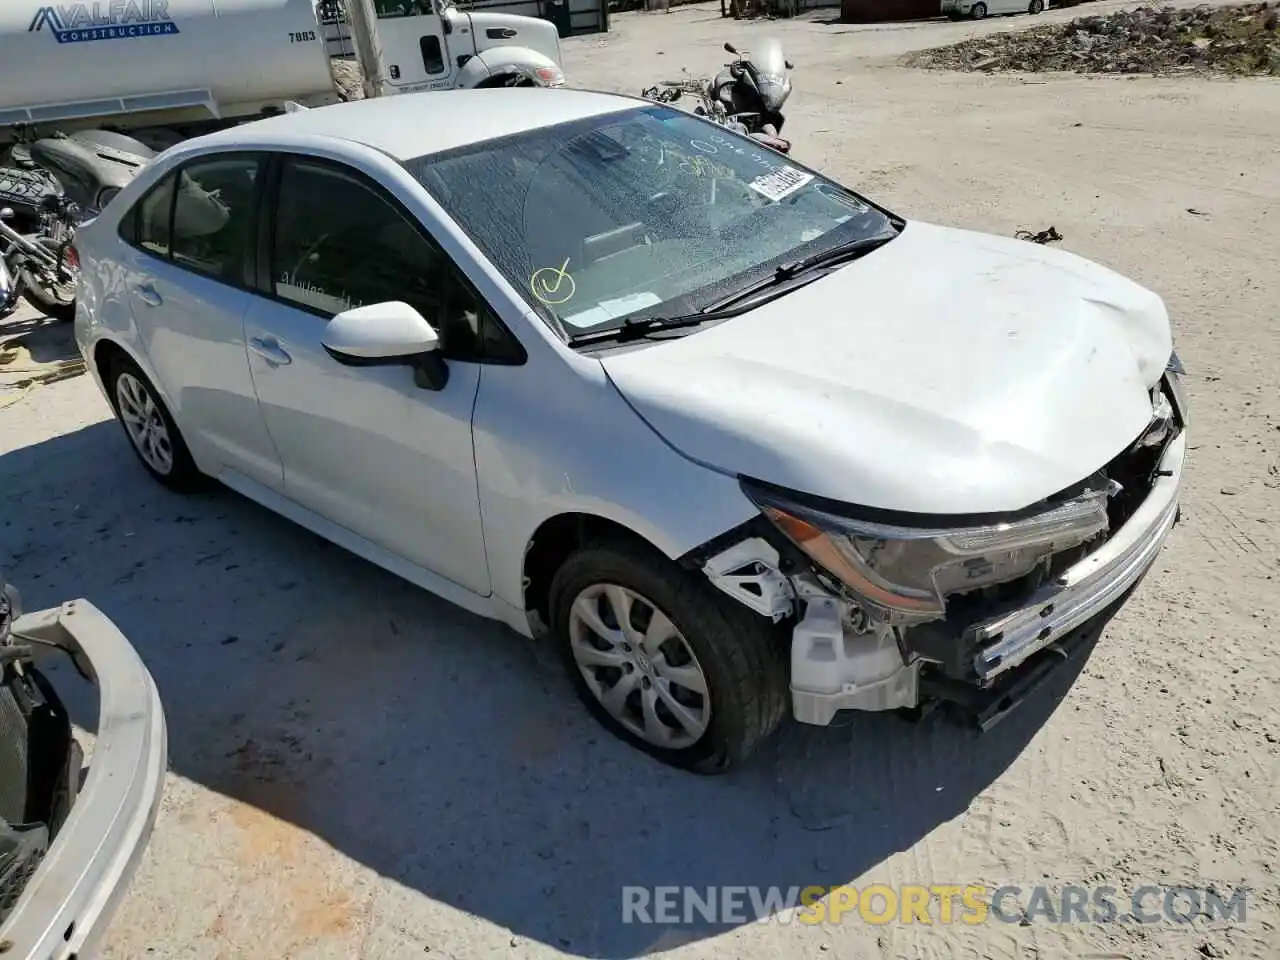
x=432 y=45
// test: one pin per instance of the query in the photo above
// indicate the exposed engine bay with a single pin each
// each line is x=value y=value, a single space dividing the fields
x=886 y=616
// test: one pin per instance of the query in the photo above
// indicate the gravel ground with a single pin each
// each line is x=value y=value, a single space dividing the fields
x=361 y=771
x=1235 y=40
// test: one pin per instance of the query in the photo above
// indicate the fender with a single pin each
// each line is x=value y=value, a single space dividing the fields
x=510 y=61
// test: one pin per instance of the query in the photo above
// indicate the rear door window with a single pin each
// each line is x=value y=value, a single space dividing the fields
x=213 y=217
x=152 y=217
x=202 y=217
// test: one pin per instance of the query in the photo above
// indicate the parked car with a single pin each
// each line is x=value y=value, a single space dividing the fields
x=737 y=437
x=979 y=9
x=68 y=849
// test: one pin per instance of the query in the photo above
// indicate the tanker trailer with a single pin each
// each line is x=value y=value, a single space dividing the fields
x=191 y=65
x=171 y=69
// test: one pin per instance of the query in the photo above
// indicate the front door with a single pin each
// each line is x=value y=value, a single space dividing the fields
x=365 y=447
x=414 y=47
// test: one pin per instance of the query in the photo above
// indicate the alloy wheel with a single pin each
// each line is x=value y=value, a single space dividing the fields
x=144 y=423
x=639 y=666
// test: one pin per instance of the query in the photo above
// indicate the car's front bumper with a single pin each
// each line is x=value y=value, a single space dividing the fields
x=833 y=670
x=1089 y=587
x=67 y=904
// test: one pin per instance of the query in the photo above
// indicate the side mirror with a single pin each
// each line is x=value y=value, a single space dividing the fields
x=789 y=65
x=6 y=213
x=385 y=334
x=729 y=47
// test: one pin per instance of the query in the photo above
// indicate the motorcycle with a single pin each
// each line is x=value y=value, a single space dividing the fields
x=754 y=87
x=42 y=266
x=50 y=186
x=746 y=96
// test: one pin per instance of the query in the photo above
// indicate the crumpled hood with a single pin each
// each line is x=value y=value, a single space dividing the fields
x=948 y=372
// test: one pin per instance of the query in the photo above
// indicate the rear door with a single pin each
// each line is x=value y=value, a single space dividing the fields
x=188 y=255
x=414 y=46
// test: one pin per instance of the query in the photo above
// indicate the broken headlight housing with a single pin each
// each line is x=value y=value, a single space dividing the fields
x=1173 y=374
x=903 y=574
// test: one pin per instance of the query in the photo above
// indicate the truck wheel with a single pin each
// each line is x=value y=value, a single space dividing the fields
x=664 y=661
x=149 y=426
x=1037 y=6
x=978 y=11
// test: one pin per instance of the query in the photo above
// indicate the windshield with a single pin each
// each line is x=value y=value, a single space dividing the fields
x=767 y=58
x=650 y=212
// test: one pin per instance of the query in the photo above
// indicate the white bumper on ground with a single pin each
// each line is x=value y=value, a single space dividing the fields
x=66 y=906
x=833 y=669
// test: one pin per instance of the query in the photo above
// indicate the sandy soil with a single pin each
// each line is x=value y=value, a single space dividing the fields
x=359 y=770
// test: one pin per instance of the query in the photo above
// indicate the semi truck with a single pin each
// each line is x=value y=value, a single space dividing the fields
x=190 y=66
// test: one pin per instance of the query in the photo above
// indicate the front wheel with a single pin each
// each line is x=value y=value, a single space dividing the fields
x=1037 y=6
x=664 y=661
x=978 y=11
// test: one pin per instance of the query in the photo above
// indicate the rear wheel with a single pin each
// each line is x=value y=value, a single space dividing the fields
x=1037 y=6
x=150 y=428
x=664 y=661
x=978 y=11
x=52 y=292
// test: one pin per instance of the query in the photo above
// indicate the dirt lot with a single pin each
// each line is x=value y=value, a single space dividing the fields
x=360 y=771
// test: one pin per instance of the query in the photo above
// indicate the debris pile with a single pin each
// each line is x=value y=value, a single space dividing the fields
x=347 y=79
x=1238 y=40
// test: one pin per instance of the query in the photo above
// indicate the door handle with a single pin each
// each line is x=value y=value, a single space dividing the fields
x=148 y=295
x=269 y=349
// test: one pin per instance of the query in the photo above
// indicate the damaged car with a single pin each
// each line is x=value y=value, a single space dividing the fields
x=741 y=442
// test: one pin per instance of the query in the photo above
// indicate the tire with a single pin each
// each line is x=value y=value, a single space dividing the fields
x=129 y=389
x=59 y=302
x=1037 y=6
x=738 y=656
x=978 y=11
x=45 y=300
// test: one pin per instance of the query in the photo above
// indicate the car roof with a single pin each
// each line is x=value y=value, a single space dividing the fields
x=412 y=125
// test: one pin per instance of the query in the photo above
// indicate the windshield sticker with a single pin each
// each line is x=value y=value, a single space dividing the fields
x=782 y=182
x=608 y=309
x=553 y=285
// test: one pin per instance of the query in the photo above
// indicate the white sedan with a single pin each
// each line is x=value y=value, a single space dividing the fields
x=741 y=441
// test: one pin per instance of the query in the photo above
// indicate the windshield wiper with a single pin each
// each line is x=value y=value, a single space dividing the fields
x=636 y=328
x=850 y=250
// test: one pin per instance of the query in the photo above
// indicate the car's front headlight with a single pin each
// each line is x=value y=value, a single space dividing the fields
x=904 y=573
